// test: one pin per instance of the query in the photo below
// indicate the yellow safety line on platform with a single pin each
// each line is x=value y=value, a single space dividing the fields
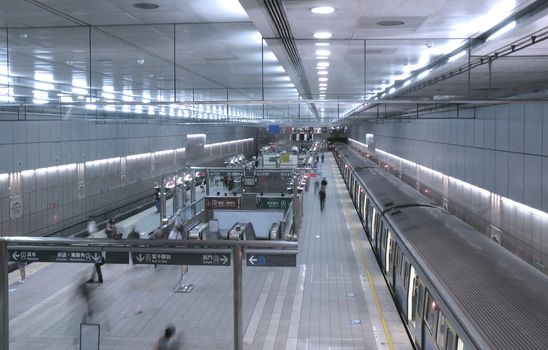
x=371 y=285
x=370 y=280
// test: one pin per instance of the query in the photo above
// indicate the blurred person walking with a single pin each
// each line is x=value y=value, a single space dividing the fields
x=323 y=186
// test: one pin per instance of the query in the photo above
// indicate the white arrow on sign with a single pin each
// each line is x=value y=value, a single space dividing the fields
x=252 y=260
x=224 y=259
x=140 y=257
x=15 y=255
x=96 y=257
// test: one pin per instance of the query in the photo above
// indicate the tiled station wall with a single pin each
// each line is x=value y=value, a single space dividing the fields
x=64 y=172
x=495 y=164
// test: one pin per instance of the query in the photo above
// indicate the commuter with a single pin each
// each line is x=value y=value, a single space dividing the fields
x=317 y=159
x=97 y=271
x=316 y=185
x=168 y=341
x=21 y=265
x=157 y=200
x=230 y=184
x=92 y=226
x=176 y=232
x=225 y=181
x=133 y=234
x=109 y=229
x=323 y=186
x=323 y=156
x=84 y=291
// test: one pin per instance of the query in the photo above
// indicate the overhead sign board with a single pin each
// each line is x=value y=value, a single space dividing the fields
x=68 y=256
x=271 y=259
x=274 y=203
x=222 y=202
x=144 y=257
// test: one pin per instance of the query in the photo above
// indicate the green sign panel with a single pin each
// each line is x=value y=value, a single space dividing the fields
x=274 y=203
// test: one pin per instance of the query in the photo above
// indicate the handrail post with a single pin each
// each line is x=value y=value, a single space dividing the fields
x=237 y=253
x=4 y=311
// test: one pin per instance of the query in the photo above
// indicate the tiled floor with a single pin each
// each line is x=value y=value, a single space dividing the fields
x=324 y=303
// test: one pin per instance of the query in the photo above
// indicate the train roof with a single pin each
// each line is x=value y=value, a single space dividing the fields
x=495 y=295
x=501 y=296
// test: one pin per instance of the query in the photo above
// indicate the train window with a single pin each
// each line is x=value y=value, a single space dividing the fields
x=373 y=223
x=431 y=312
x=441 y=334
x=396 y=256
x=449 y=342
x=403 y=267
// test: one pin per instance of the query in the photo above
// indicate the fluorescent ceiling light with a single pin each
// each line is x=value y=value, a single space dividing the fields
x=322 y=10
x=322 y=44
x=322 y=84
x=502 y=30
x=66 y=99
x=423 y=74
x=91 y=106
x=323 y=79
x=322 y=64
x=323 y=52
x=457 y=56
x=392 y=90
x=323 y=72
x=321 y=57
x=323 y=88
x=322 y=35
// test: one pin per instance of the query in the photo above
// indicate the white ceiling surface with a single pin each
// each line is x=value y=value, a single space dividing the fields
x=219 y=50
x=431 y=28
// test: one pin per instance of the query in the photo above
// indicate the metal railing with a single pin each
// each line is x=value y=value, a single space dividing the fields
x=236 y=248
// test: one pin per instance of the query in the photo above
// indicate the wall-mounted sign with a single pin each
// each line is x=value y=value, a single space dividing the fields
x=16 y=207
x=81 y=189
x=222 y=202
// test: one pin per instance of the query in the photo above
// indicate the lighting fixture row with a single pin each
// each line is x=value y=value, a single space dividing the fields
x=322 y=55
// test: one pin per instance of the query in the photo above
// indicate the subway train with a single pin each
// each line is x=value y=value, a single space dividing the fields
x=455 y=289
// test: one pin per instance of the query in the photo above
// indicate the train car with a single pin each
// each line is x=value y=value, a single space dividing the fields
x=455 y=289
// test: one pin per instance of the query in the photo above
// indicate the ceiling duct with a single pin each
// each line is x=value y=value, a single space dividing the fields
x=279 y=19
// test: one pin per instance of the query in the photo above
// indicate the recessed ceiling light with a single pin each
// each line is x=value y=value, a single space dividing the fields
x=322 y=84
x=146 y=6
x=322 y=44
x=69 y=62
x=323 y=52
x=323 y=88
x=322 y=35
x=23 y=35
x=322 y=10
x=322 y=64
x=390 y=23
x=321 y=57
x=323 y=79
x=322 y=72
x=140 y=61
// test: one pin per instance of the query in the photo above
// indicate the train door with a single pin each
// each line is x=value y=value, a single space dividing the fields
x=357 y=190
x=412 y=299
x=419 y=325
x=364 y=207
x=389 y=247
x=373 y=224
x=361 y=201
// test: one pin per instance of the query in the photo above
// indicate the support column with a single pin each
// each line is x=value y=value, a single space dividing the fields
x=4 y=311
x=162 y=201
x=237 y=254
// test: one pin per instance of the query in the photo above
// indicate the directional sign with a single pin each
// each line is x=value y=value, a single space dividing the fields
x=271 y=259
x=148 y=257
x=72 y=256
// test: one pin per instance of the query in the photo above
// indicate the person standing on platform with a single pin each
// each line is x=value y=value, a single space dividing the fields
x=323 y=186
x=323 y=156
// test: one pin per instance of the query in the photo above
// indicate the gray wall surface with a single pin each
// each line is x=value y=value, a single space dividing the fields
x=503 y=150
x=503 y=153
x=62 y=172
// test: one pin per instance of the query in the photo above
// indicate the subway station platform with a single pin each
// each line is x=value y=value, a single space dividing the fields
x=336 y=297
